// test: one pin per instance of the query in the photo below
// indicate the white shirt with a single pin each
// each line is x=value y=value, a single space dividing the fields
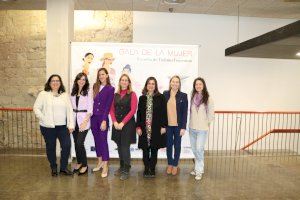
x=59 y=111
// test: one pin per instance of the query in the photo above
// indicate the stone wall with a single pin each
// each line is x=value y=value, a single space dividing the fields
x=23 y=47
x=23 y=64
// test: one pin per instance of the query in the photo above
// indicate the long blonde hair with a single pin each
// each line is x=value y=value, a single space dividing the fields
x=129 y=88
x=175 y=76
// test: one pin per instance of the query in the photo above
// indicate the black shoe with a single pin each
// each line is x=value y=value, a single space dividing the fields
x=152 y=173
x=66 y=172
x=85 y=172
x=125 y=172
x=54 y=172
x=146 y=173
x=76 y=170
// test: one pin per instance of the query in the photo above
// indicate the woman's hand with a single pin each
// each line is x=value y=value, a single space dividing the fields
x=83 y=126
x=182 y=132
x=103 y=126
x=71 y=130
x=139 y=131
x=116 y=125
x=121 y=125
x=162 y=130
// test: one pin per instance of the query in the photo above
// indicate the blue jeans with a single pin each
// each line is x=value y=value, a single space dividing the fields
x=173 y=139
x=197 y=140
x=50 y=136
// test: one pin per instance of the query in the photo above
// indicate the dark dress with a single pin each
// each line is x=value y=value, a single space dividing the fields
x=159 y=120
x=128 y=133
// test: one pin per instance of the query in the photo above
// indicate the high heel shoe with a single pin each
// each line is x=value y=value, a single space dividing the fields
x=99 y=167
x=104 y=173
x=82 y=173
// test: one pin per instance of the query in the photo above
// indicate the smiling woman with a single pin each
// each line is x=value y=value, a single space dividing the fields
x=54 y=110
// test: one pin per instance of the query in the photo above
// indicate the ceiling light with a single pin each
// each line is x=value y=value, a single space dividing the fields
x=298 y=54
x=173 y=2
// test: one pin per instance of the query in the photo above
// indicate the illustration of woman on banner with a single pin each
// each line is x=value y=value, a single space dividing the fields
x=87 y=60
x=107 y=60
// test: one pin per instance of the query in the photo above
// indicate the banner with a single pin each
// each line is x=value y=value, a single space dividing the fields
x=139 y=61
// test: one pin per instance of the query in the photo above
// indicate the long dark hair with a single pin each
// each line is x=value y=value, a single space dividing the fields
x=205 y=94
x=61 y=89
x=85 y=89
x=156 y=92
x=97 y=84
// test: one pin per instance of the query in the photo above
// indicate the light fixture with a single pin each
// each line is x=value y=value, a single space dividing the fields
x=174 y=2
x=298 y=54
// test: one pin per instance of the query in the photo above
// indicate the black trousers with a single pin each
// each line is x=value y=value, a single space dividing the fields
x=150 y=158
x=50 y=135
x=79 y=138
x=124 y=152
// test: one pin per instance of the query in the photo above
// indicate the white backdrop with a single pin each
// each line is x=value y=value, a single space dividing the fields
x=159 y=60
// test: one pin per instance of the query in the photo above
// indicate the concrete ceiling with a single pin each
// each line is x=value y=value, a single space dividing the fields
x=286 y=9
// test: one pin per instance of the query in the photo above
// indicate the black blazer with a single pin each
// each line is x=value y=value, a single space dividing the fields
x=159 y=120
x=181 y=107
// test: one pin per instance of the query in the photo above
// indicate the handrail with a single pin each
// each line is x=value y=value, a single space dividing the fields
x=219 y=112
x=16 y=109
x=269 y=132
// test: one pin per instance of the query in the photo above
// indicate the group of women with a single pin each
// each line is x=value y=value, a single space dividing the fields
x=161 y=121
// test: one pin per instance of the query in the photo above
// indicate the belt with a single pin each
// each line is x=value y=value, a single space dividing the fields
x=79 y=110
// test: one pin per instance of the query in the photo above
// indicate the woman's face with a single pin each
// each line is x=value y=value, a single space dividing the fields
x=124 y=82
x=151 y=86
x=199 y=86
x=175 y=83
x=102 y=76
x=81 y=82
x=55 y=83
x=88 y=59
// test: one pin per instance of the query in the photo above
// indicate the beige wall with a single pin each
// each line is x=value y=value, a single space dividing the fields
x=23 y=47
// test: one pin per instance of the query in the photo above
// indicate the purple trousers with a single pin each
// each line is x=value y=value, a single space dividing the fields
x=100 y=137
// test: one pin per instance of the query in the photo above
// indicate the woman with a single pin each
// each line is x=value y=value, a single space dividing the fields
x=177 y=107
x=82 y=103
x=151 y=123
x=55 y=112
x=103 y=94
x=201 y=115
x=124 y=128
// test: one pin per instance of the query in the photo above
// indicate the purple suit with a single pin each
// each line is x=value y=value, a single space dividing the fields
x=84 y=103
x=101 y=108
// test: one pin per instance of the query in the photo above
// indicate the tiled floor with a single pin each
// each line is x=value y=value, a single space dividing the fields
x=247 y=177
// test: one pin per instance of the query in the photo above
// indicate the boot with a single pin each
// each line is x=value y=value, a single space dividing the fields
x=119 y=171
x=125 y=172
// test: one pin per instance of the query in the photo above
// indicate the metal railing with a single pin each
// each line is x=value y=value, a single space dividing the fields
x=19 y=131
x=256 y=133
x=232 y=133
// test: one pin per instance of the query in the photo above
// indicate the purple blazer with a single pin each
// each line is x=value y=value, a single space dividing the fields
x=102 y=103
x=84 y=103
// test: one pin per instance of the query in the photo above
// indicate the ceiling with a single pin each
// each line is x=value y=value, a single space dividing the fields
x=286 y=9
